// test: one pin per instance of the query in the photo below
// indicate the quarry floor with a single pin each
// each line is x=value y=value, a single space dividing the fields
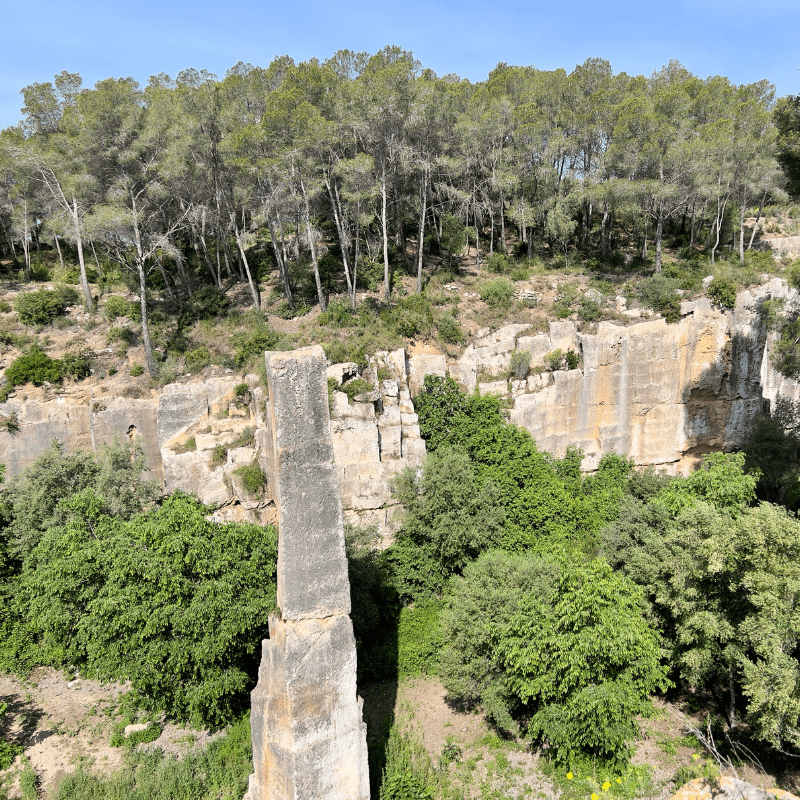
x=64 y=722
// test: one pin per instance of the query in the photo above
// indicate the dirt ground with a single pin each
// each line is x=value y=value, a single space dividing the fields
x=63 y=724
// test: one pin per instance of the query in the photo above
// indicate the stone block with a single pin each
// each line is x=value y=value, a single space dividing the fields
x=312 y=567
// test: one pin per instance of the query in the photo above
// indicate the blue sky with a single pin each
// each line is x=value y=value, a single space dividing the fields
x=741 y=40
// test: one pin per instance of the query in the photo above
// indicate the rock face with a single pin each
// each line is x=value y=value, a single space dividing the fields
x=309 y=738
x=727 y=788
x=660 y=394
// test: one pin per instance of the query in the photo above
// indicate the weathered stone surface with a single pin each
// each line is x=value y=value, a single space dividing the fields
x=424 y=360
x=728 y=788
x=309 y=740
x=312 y=568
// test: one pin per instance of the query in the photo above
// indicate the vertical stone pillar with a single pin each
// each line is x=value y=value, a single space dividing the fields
x=309 y=738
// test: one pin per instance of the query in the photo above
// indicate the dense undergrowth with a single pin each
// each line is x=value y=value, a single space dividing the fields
x=556 y=603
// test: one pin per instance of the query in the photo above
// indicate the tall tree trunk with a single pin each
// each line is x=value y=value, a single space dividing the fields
x=152 y=368
x=253 y=288
x=503 y=246
x=741 y=226
x=282 y=269
x=423 y=198
x=58 y=247
x=491 y=231
x=603 y=229
x=758 y=217
x=342 y=243
x=170 y=293
x=659 y=232
x=323 y=303
x=26 y=246
x=691 y=226
x=76 y=222
x=384 y=225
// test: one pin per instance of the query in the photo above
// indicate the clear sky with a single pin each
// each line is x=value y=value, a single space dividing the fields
x=744 y=41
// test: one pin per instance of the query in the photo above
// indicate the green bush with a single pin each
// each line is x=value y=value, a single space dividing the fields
x=76 y=366
x=43 y=306
x=4 y=307
x=722 y=292
x=121 y=333
x=412 y=317
x=116 y=307
x=658 y=293
x=197 y=358
x=356 y=387
x=34 y=367
x=132 y=600
x=499 y=263
x=573 y=359
x=205 y=303
x=589 y=310
x=136 y=370
x=8 y=751
x=250 y=347
x=520 y=365
x=339 y=314
x=554 y=360
x=498 y=292
x=252 y=477
x=72 y=275
x=449 y=330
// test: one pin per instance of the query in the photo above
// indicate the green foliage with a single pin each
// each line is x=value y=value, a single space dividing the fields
x=454 y=234
x=219 y=455
x=34 y=367
x=723 y=292
x=205 y=303
x=572 y=359
x=449 y=330
x=554 y=360
x=498 y=292
x=520 y=365
x=407 y=771
x=786 y=356
x=197 y=358
x=217 y=771
x=356 y=387
x=252 y=477
x=412 y=317
x=658 y=293
x=499 y=263
x=115 y=307
x=136 y=370
x=4 y=307
x=771 y=453
x=43 y=306
x=168 y=600
x=148 y=734
x=8 y=750
x=251 y=346
x=76 y=366
x=585 y=659
x=589 y=310
x=338 y=314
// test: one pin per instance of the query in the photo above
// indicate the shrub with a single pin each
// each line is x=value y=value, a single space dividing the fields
x=197 y=358
x=219 y=455
x=356 y=387
x=520 y=273
x=450 y=330
x=499 y=263
x=34 y=367
x=722 y=292
x=205 y=303
x=658 y=293
x=43 y=306
x=251 y=346
x=252 y=477
x=520 y=364
x=121 y=333
x=76 y=366
x=116 y=307
x=554 y=360
x=498 y=292
x=339 y=314
x=136 y=370
x=412 y=317
x=572 y=359
x=8 y=751
x=589 y=310
x=4 y=307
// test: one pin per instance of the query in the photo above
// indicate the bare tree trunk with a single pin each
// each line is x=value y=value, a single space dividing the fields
x=503 y=226
x=343 y=243
x=603 y=230
x=691 y=226
x=491 y=231
x=423 y=198
x=58 y=247
x=284 y=273
x=152 y=368
x=76 y=222
x=741 y=226
x=160 y=265
x=384 y=225
x=758 y=217
x=253 y=288
x=659 y=232
x=323 y=304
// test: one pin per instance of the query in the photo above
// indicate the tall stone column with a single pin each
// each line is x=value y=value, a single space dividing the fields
x=309 y=738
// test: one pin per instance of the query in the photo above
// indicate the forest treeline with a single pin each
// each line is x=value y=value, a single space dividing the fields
x=336 y=163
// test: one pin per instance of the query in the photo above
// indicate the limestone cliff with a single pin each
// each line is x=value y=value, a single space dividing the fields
x=659 y=393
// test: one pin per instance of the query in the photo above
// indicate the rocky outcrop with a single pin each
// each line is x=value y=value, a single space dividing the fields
x=728 y=788
x=660 y=394
x=309 y=737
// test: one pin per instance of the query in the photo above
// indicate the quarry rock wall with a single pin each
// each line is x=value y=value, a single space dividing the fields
x=662 y=394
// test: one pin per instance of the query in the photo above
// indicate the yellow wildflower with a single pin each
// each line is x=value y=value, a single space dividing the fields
x=569 y=776
x=695 y=756
x=619 y=780
x=606 y=786
x=594 y=796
